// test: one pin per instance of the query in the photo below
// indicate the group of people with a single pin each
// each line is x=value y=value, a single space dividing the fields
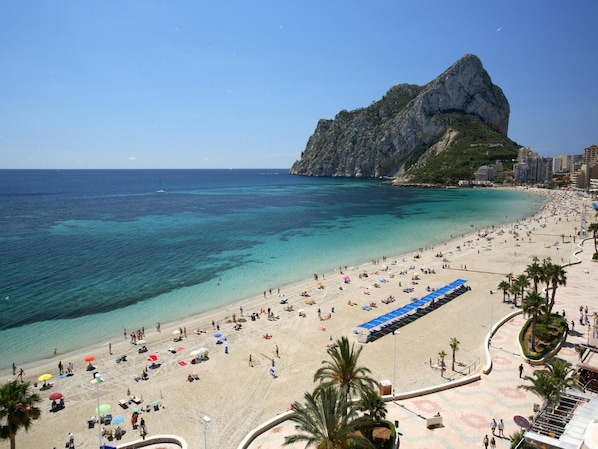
x=57 y=405
x=494 y=426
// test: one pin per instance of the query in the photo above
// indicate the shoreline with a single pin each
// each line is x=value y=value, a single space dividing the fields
x=301 y=341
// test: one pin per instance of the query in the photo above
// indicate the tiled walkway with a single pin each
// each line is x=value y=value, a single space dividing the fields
x=468 y=410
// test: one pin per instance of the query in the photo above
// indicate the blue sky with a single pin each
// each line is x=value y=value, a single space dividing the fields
x=242 y=84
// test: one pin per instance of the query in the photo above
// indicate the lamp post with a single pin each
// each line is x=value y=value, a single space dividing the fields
x=206 y=421
x=97 y=379
x=491 y=319
x=394 y=365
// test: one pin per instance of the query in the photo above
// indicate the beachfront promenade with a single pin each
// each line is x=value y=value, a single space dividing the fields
x=467 y=410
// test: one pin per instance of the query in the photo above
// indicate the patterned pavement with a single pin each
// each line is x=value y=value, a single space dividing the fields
x=468 y=410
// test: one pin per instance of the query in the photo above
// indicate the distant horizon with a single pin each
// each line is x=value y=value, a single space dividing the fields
x=133 y=168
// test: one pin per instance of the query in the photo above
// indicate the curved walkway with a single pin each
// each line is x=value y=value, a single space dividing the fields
x=467 y=410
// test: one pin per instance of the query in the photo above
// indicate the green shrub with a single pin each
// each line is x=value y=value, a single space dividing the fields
x=543 y=332
x=549 y=329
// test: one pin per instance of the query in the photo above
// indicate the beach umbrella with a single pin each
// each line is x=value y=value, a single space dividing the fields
x=195 y=352
x=44 y=377
x=152 y=358
x=89 y=358
x=103 y=408
x=55 y=396
x=106 y=446
x=176 y=332
x=118 y=419
x=217 y=335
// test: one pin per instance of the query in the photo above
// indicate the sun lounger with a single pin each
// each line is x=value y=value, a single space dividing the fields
x=135 y=399
x=123 y=403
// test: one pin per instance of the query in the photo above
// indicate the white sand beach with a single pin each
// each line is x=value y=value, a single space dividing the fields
x=238 y=397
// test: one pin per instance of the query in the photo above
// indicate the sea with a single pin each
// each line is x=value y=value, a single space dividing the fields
x=85 y=254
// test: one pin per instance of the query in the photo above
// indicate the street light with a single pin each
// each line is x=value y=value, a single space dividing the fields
x=394 y=365
x=97 y=378
x=206 y=421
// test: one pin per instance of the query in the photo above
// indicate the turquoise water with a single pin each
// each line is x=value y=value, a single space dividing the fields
x=86 y=253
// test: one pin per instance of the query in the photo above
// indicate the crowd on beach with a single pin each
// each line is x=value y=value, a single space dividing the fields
x=303 y=342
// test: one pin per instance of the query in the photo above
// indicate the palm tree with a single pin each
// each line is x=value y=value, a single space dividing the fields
x=373 y=406
x=504 y=286
x=542 y=385
x=593 y=228
x=554 y=275
x=515 y=439
x=514 y=290
x=442 y=355
x=534 y=271
x=343 y=372
x=522 y=282
x=454 y=344
x=374 y=409
x=532 y=305
x=563 y=375
x=551 y=382
x=18 y=409
x=327 y=421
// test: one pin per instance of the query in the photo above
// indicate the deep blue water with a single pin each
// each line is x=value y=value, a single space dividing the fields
x=83 y=247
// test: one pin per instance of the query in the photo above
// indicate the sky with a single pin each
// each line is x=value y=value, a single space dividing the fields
x=242 y=84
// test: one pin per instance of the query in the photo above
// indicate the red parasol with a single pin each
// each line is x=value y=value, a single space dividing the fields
x=55 y=396
x=152 y=358
x=89 y=358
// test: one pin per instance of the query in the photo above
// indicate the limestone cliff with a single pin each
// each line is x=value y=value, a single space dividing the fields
x=378 y=140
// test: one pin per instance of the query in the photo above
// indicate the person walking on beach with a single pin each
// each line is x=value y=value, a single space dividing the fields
x=250 y=361
x=21 y=374
x=520 y=370
x=14 y=369
x=60 y=367
x=110 y=348
x=485 y=441
x=277 y=353
x=158 y=326
x=492 y=443
x=492 y=427
x=142 y=428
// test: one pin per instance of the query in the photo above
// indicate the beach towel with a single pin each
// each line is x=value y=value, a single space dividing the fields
x=182 y=363
x=179 y=349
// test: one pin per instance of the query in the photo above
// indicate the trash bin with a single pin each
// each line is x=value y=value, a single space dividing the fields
x=385 y=387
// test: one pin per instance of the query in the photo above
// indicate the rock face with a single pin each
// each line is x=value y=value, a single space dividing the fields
x=377 y=140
